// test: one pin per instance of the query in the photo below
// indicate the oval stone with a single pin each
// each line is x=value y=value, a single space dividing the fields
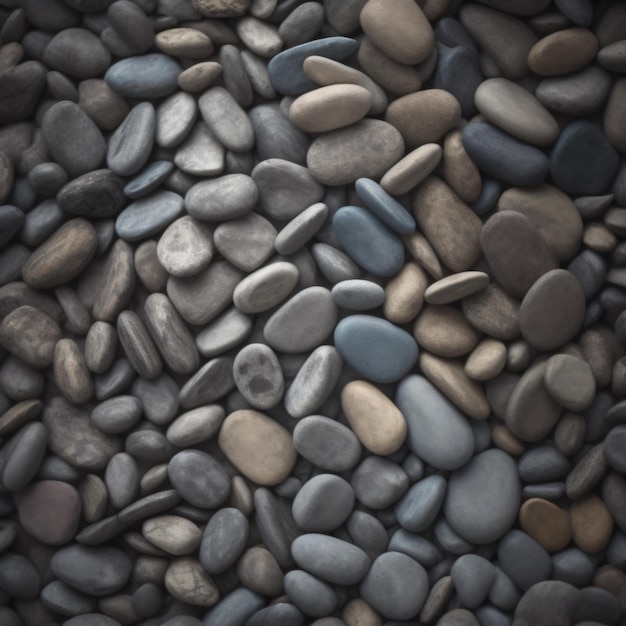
x=419 y=506
x=366 y=149
x=223 y=541
x=147 y=76
x=95 y=194
x=377 y=349
x=570 y=381
x=258 y=376
x=266 y=287
x=368 y=241
x=358 y=295
x=311 y=595
x=130 y=145
x=148 y=215
x=323 y=503
x=437 y=431
x=483 y=497
x=384 y=206
x=173 y=534
x=259 y=447
x=552 y=311
x=186 y=247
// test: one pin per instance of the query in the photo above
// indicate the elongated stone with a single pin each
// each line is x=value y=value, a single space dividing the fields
x=138 y=346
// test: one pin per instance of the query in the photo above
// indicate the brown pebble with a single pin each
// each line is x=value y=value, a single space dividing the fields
x=493 y=312
x=599 y=238
x=187 y=581
x=546 y=523
x=71 y=373
x=199 y=77
x=592 y=524
x=437 y=600
x=420 y=249
x=62 y=257
x=569 y=433
x=404 y=294
x=444 y=331
x=504 y=439
x=563 y=52
x=459 y=171
x=18 y=415
x=259 y=571
x=456 y=287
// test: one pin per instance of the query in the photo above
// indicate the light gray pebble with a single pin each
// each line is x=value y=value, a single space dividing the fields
x=195 y=426
x=378 y=482
x=266 y=287
x=301 y=229
x=258 y=376
x=100 y=347
x=224 y=198
x=200 y=154
x=149 y=215
x=335 y=265
x=225 y=332
x=117 y=415
x=210 y=383
x=175 y=118
x=358 y=294
x=186 y=247
x=256 y=69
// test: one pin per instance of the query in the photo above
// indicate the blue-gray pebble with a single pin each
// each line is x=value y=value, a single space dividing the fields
x=147 y=76
x=149 y=215
x=419 y=506
x=385 y=206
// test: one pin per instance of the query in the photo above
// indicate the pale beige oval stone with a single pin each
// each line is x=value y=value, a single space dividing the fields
x=187 y=581
x=487 y=360
x=504 y=439
x=258 y=446
x=329 y=108
x=411 y=170
x=456 y=287
x=199 y=77
x=174 y=534
x=187 y=43
x=444 y=331
x=450 y=378
x=325 y=71
x=404 y=294
x=71 y=373
x=420 y=249
x=374 y=418
x=516 y=111
x=459 y=171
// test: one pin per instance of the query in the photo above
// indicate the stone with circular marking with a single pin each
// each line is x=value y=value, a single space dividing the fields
x=258 y=376
x=259 y=447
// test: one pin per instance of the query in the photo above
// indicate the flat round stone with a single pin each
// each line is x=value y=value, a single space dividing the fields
x=592 y=524
x=149 y=215
x=396 y=586
x=437 y=431
x=379 y=350
x=374 y=418
x=186 y=247
x=487 y=360
x=266 y=287
x=224 y=540
x=224 y=198
x=323 y=503
x=455 y=287
x=195 y=426
x=472 y=576
x=267 y=464
x=368 y=240
x=147 y=76
x=366 y=149
x=258 y=376
x=504 y=157
x=570 y=381
x=305 y=321
x=552 y=311
x=483 y=497
x=117 y=415
x=516 y=111
x=358 y=295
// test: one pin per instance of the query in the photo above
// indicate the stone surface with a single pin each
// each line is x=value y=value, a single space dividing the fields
x=323 y=503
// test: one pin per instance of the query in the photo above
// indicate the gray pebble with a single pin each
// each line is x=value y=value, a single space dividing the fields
x=335 y=265
x=138 y=346
x=301 y=229
x=131 y=24
x=256 y=69
x=159 y=398
x=225 y=332
x=368 y=533
x=95 y=194
x=149 y=445
x=420 y=505
x=100 y=347
x=234 y=75
x=78 y=53
x=523 y=559
x=148 y=76
x=186 y=247
x=77 y=318
x=149 y=505
x=472 y=576
x=573 y=566
x=122 y=480
x=224 y=198
x=20 y=381
x=22 y=455
x=131 y=144
x=41 y=222
x=195 y=426
x=311 y=595
x=415 y=546
x=149 y=179
x=47 y=178
x=200 y=154
x=236 y=608
x=18 y=576
x=542 y=464
x=378 y=482
x=149 y=215
x=224 y=540
x=266 y=287
x=62 y=599
x=258 y=376
x=117 y=415
x=12 y=219
x=210 y=383
x=175 y=118
x=114 y=380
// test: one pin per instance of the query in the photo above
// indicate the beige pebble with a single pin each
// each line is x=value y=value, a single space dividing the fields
x=187 y=43
x=444 y=331
x=504 y=439
x=487 y=360
x=71 y=373
x=592 y=524
x=359 y=613
x=599 y=238
x=374 y=418
x=456 y=287
x=187 y=581
x=199 y=76
x=258 y=446
x=411 y=170
x=174 y=534
x=459 y=171
x=259 y=571
x=404 y=294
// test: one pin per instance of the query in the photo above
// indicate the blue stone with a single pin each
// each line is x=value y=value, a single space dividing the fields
x=415 y=546
x=149 y=179
x=458 y=72
x=285 y=69
x=385 y=206
x=149 y=215
x=419 y=506
x=376 y=348
x=583 y=162
x=146 y=76
x=508 y=159
x=368 y=241
x=489 y=194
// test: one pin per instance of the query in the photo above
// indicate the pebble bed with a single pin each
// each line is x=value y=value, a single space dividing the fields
x=312 y=312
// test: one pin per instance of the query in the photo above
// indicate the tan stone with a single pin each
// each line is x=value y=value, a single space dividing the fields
x=329 y=108
x=546 y=523
x=374 y=418
x=444 y=331
x=399 y=28
x=487 y=360
x=456 y=287
x=150 y=271
x=615 y=116
x=451 y=227
x=199 y=76
x=504 y=439
x=187 y=43
x=599 y=238
x=187 y=581
x=592 y=524
x=62 y=257
x=359 y=613
x=563 y=52
x=450 y=378
x=259 y=447
x=404 y=294
x=71 y=373
x=420 y=249
x=424 y=116
x=408 y=172
x=259 y=571
x=459 y=171
x=174 y=534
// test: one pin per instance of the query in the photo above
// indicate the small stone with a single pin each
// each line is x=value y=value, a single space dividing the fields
x=570 y=382
x=77 y=53
x=311 y=595
x=487 y=360
x=444 y=331
x=147 y=76
x=258 y=376
x=266 y=287
x=148 y=215
x=472 y=576
x=71 y=373
x=323 y=503
x=173 y=534
x=412 y=169
x=420 y=505
x=378 y=483
x=223 y=540
x=259 y=571
x=592 y=524
x=187 y=581
x=523 y=559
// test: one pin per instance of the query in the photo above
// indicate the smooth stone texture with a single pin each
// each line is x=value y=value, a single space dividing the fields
x=71 y=373
x=541 y=464
x=117 y=415
x=301 y=229
x=472 y=576
x=187 y=581
x=258 y=376
x=385 y=207
x=23 y=456
x=570 y=382
x=195 y=426
x=72 y=138
x=376 y=348
x=332 y=559
x=239 y=439
x=224 y=198
x=368 y=241
x=552 y=310
x=419 y=507
x=563 y=52
x=200 y=154
x=148 y=76
x=21 y=86
x=378 y=482
x=612 y=446
x=412 y=169
x=175 y=117
x=456 y=287
x=366 y=149
x=396 y=586
x=329 y=445
x=483 y=497
x=138 y=345
x=210 y=383
x=259 y=571
x=504 y=157
x=358 y=295
x=582 y=161
x=77 y=53
x=546 y=523
x=458 y=72
x=415 y=546
x=285 y=69
x=130 y=145
x=149 y=215
x=148 y=179
x=523 y=559
x=173 y=534
x=323 y=503
x=265 y=288
x=444 y=331
x=223 y=540
x=437 y=432
x=96 y=194
x=305 y=321
x=19 y=577
x=95 y=571
x=312 y=596
x=186 y=247
x=199 y=478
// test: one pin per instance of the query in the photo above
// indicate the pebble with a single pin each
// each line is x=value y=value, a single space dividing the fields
x=386 y=355
x=147 y=76
x=126 y=157
x=148 y=215
x=412 y=169
x=444 y=331
x=344 y=155
x=175 y=117
x=378 y=482
x=258 y=376
x=224 y=198
x=96 y=194
x=187 y=581
x=23 y=456
x=117 y=415
x=238 y=439
x=71 y=373
x=546 y=523
x=199 y=77
x=570 y=381
x=186 y=247
x=19 y=577
x=259 y=571
x=384 y=206
x=173 y=534
x=445 y=442
x=591 y=522
x=420 y=505
x=483 y=497
x=523 y=559
x=25 y=83
x=333 y=560
x=563 y=52
x=472 y=577
x=293 y=236
x=312 y=596
x=266 y=287
x=77 y=53
x=323 y=503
